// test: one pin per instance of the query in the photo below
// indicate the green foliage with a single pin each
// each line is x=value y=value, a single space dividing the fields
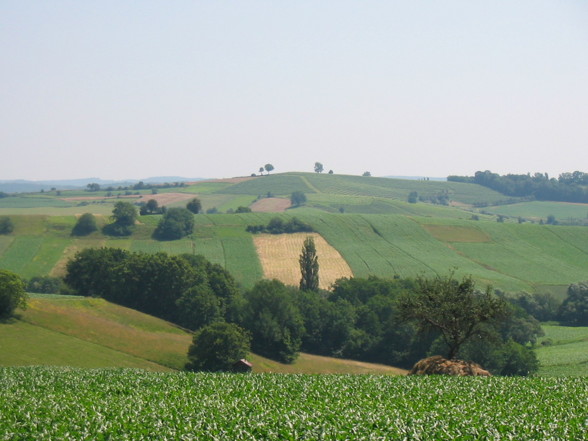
x=217 y=347
x=135 y=404
x=318 y=167
x=309 y=266
x=6 y=225
x=124 y=216
x=12 y=293
x=455 y=309
x=85 y=225
x=151 y=207
x=124 y=213
x=268 y=168
x=413 y=197
x=277 y=226
x=175 y=224
x=45 y=285
x=297 y=198
x=195 y=206
x=574 y=309
x=275 y=322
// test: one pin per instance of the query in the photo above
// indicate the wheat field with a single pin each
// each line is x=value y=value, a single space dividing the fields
x=279 y=256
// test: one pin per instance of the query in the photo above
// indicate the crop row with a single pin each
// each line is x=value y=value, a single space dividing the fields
x=50 y=403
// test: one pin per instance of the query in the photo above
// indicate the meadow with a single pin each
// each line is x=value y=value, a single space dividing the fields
x=563 y=351
x=93 y=333
x=64 y=403
x=367 y=220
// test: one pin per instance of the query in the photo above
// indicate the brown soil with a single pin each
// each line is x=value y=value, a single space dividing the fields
x=270 y=205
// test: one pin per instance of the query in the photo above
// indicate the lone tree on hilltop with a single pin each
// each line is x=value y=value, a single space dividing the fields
x=309 y=266
x=12 y=293
x=268 y=168
x=318 y=167
x=455 y=309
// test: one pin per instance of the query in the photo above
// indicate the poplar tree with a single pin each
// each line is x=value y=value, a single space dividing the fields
x=309 y=266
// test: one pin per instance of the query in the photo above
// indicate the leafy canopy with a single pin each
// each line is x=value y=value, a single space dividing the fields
x=455 y=309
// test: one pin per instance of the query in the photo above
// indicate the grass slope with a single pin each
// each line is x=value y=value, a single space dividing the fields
x=366 y=219
x=563 y=351
x=92 y=333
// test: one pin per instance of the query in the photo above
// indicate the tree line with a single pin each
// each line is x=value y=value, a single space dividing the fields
x=568 y=187
x=370 y=319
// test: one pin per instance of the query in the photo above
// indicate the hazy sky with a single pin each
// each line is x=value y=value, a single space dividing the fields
x=133 y=89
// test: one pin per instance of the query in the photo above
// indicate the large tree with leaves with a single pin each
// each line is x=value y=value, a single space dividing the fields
x=12 y=293
x=309 y=266
x=453 y=308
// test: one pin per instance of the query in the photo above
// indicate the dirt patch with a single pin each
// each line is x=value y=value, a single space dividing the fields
x=279 y=256
x=167 y=198
x=270 y=205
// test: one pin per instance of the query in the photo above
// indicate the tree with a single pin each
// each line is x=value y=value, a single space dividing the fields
x=176 y=223
x=455 y=309
x=195 y=206
x=366 y=173
x=123 y=216
x=12 y=293
x=85 y=225
x=574 y=309
x=217 y=347
x=261 y=171
x=318 y=167
x=93 y=187
x=297 y=198
x=152 y=206
x=309 y=266
x=274 y=320
x=413 y=197
x=268 y=168
x=6 y=225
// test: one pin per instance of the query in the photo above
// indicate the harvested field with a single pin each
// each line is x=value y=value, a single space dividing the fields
x=279 y=255
x=270 y=205
x=167 y=198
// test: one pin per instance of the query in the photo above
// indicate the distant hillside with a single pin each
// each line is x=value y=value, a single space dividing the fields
x=90 y=332
x=24 y=186
x=368 y=220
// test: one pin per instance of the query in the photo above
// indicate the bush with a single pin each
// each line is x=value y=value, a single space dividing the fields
x=175 y=224
x=45 y=285
x=217 y=347
x=12 y=293
x=277 y=226
x=6 y=225
x=85 y=225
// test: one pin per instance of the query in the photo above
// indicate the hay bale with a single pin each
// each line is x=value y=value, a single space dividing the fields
x=437 y=365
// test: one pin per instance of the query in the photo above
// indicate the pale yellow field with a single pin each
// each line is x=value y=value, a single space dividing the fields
x=279 y=254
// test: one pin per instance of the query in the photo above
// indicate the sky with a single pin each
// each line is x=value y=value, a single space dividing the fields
x=212 y=89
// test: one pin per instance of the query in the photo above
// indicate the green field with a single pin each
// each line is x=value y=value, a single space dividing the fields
x=93 y=333
x=563 y=351
x=366 y=219
x=536 y=210
x=56 y=403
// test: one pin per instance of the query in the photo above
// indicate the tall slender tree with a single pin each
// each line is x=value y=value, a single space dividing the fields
x=309 y=266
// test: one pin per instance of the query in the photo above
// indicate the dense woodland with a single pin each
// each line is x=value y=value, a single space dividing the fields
x=358 y=319
x=568 y=187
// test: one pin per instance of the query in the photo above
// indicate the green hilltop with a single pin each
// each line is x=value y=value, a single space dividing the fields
x=367 y=219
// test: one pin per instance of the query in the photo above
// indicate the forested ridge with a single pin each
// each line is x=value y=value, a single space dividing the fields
x=568 y=187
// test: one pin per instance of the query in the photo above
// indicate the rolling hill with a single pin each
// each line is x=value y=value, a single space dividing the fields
x=92 y=333
x=367 y=220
